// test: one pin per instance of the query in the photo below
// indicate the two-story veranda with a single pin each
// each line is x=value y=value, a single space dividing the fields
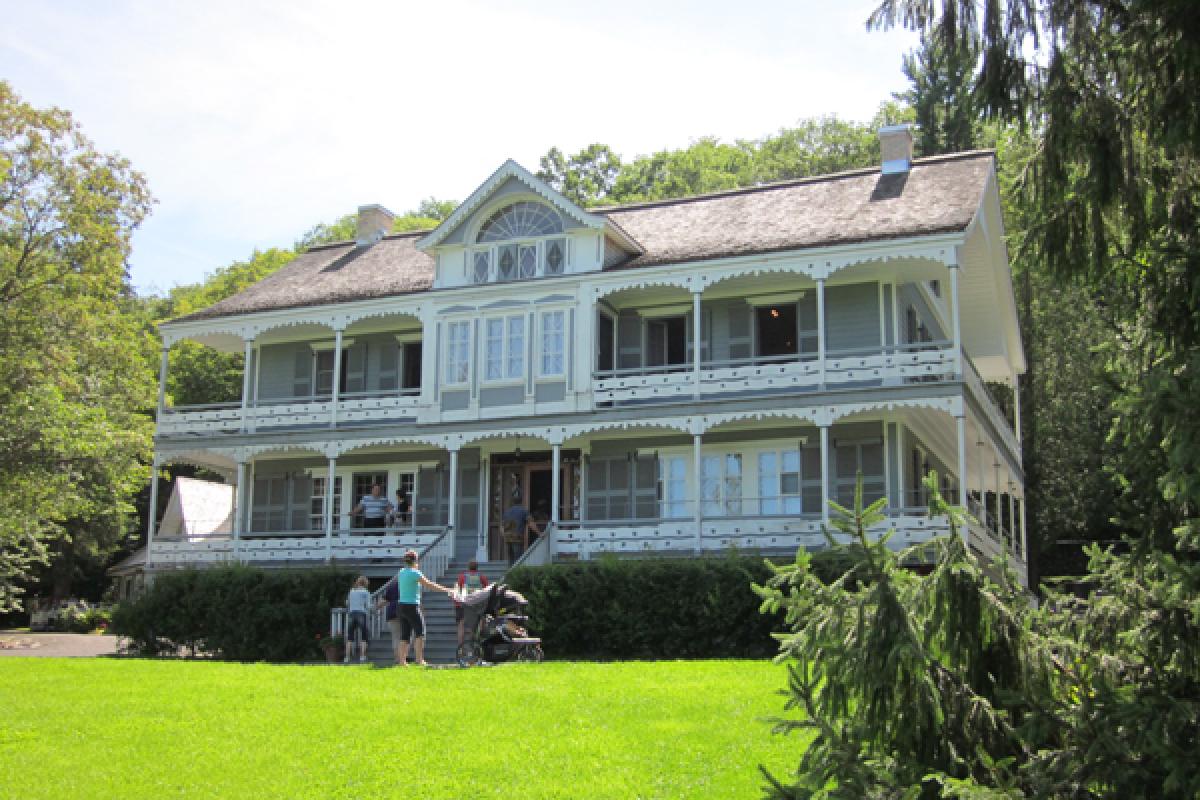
x=530 y=351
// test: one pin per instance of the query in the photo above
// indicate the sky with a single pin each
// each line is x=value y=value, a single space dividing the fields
x=254 y=120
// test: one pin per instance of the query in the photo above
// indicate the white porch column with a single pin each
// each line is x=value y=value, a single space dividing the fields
x=996 y=498
x=452 y=505
x=955 y=321
x=961 y=425
x=329 y=495
x=152 y=511
x=983 y=510
x=696 y=343
x=481 y=549
x=824 y=474
x=1024 y=532
x=162 y=382
x=821 y=328
x=249 y=352
x=337 y=377
x=239 y=513
x=697 y=512
x=555 y=485
x=1016 y=386
x=1012 y=516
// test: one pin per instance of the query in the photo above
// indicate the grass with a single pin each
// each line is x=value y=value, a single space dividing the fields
x=83 y=728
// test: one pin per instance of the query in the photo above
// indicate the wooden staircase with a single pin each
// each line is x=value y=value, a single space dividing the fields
x=441 y=631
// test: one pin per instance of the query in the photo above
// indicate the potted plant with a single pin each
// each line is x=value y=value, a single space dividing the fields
x=332 y=645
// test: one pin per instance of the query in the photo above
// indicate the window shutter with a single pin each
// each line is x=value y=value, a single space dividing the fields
x=629 y=341
x=299 y=510
x=356 y=369
x=739 y=331
x=388 y=368
x=302 y=374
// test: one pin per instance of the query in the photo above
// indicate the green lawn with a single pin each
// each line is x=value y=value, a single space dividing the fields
x=127 y=729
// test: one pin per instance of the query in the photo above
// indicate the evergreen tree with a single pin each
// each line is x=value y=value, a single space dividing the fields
x=914 y=686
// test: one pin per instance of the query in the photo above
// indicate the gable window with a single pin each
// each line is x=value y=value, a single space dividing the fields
x=458 y=351
x=504 y=348
x=520 y=221
x=553 y=343
x=520 y=241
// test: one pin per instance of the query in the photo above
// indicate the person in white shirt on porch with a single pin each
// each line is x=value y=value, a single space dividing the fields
x=374 y=508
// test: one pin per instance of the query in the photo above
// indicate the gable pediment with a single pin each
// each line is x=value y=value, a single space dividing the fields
x=509 y=184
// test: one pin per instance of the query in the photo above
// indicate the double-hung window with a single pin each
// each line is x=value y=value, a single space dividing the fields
x=779 y=482
x=553 y=343
x=675 y=485
x=721 y=484
x=458 y=352
x=504 y=348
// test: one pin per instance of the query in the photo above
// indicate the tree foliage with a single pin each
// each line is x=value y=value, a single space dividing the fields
x=76 y=435
x=914 y=685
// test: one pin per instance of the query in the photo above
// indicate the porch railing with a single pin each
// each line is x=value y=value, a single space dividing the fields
x=312 y=410
x=888 y=365
x=991 y=409
x=279 y=547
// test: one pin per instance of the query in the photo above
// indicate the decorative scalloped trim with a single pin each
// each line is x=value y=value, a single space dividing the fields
x=950 y=405
x=812 y=415
x=344 y=447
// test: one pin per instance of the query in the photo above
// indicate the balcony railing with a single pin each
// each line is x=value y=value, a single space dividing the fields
x=991 y=410
x=890 y=365
x=293 y=546
x=292 y=412
x=722 y=534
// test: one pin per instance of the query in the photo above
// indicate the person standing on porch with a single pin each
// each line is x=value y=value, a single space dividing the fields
x=517 y=523
x=374 y=508
x=401 y=515
x=409 y=582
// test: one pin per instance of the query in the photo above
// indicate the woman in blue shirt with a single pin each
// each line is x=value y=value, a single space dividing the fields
x=410 y=622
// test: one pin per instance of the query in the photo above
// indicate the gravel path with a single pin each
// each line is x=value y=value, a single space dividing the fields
x=55 y=645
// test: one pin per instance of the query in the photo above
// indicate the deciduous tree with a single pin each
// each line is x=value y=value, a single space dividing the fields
x=76 y=435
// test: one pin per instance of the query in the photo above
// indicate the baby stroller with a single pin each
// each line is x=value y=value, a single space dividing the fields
x=494 y=622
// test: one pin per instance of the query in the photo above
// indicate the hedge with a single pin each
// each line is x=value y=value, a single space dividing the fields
x=237 y=613
x=649 y=609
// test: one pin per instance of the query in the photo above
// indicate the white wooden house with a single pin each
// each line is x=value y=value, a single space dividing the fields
x=670 y=378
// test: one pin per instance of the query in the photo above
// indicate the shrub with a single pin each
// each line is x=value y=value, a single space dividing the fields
x=85 y=621
x=620 y=608
x=237 y=613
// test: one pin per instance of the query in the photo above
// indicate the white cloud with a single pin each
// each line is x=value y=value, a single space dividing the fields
x=254 y=121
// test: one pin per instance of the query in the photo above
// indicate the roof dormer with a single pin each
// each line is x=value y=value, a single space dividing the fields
x=515 y=227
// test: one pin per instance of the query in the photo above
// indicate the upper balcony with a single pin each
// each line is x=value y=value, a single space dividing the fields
x=289 y=379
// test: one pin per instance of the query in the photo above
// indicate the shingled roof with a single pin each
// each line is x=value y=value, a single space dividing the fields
x=938 y=195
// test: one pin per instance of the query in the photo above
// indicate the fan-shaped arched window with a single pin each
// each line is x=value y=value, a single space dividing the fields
x=520 y=221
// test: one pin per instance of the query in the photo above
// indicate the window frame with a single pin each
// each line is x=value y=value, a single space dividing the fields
x=507 y=351
x=561 y=375
x=449 y=379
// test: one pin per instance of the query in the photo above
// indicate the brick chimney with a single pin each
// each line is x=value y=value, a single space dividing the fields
x=896 y=144
x=374 y=222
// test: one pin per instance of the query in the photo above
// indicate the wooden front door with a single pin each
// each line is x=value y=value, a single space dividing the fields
x=528 y=483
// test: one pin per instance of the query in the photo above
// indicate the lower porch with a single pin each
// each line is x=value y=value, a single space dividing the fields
x=659 y=488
